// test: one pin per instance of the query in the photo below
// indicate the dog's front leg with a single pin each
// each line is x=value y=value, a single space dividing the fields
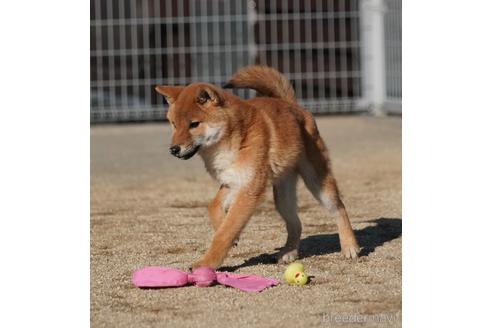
x=236 y=218
x=215 y=207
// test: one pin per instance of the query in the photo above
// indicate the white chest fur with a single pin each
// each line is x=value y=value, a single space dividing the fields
x=222 y=165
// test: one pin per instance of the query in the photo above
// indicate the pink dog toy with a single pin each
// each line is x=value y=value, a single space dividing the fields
x=157 y=277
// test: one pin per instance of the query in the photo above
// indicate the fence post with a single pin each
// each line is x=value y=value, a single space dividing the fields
x=372 y=59
x=252 y=16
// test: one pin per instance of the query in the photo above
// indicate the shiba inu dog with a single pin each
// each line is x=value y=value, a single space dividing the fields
x=248 y=145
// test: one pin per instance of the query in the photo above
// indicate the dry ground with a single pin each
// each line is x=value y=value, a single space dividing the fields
x=148 y=208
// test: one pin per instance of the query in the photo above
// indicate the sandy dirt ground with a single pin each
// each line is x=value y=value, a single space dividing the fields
x=148 y=208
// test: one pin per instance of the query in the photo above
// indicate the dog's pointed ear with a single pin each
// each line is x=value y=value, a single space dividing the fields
x=210 y=95
x=171 y=93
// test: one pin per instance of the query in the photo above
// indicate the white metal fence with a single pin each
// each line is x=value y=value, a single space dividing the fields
x=318 y=44
x=392 y=41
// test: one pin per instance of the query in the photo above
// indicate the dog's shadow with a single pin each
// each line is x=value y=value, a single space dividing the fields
x=369 y=238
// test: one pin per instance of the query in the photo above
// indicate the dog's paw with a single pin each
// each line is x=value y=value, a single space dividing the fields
x=196 y=265
x=206 y=262
x=285 y=257
x=350 y=251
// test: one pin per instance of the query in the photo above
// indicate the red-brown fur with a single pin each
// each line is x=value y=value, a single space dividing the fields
x=249 y=144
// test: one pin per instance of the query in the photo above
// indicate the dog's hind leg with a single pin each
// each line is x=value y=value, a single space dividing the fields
x=284 y=192
x=317 y=176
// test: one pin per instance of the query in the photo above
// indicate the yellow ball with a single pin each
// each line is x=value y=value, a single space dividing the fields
x=301 y=278
x=292 y=269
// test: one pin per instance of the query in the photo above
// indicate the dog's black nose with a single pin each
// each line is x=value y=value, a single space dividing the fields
x=174 y=150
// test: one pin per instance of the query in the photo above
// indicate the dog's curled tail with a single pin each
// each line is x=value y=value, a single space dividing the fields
x=267 y=81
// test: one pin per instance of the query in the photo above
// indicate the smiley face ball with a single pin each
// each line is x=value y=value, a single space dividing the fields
x=292 y=269
x=295 y=275
x=300 y=279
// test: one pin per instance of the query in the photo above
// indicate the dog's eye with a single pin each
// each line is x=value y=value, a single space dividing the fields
x=194 y=125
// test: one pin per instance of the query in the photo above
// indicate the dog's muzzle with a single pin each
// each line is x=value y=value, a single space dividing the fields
x=186 y=154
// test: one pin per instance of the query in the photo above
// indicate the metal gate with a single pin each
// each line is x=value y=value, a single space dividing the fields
x=138 y=44
x=392 y=43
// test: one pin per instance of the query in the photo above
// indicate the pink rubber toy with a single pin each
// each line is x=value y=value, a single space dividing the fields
x=158 y=277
